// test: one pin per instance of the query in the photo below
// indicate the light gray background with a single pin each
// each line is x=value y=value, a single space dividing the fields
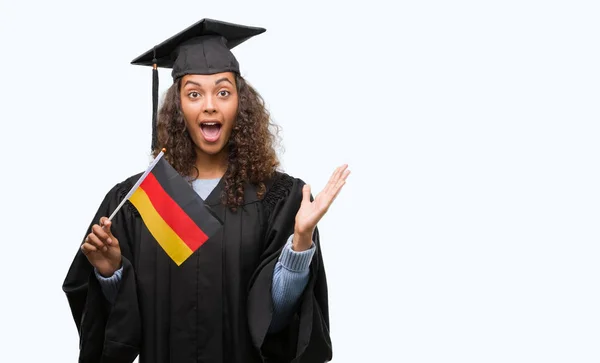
x=468 y=231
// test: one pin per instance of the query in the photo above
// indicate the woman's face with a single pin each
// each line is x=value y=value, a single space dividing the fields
x=209 y=104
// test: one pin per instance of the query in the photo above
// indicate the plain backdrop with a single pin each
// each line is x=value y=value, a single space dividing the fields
x=468 y=230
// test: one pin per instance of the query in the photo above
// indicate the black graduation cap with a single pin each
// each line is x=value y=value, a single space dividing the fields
x=203 y=48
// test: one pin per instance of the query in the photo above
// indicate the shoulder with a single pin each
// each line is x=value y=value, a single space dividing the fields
x=119 y=191
x=282 y=187
x=121 y=188
x=282 y=182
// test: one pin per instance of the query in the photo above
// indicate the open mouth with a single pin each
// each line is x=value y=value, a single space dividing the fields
x=211 y=130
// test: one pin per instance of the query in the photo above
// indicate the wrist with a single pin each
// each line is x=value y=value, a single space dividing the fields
x=106 y=273
x=302 y=241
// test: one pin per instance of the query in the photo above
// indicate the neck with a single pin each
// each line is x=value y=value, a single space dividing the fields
x=211 y=166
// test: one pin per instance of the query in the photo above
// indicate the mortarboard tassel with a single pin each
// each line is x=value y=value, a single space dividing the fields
x=154 y=100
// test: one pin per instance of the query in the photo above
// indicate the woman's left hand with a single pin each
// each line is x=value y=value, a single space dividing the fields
x=310 y=213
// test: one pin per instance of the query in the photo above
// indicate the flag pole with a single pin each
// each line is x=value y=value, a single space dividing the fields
x=137 y=184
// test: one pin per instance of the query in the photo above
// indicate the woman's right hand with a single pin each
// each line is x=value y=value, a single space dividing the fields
x=102 y=249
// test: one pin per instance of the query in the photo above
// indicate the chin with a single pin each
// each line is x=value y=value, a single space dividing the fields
x=212 y=149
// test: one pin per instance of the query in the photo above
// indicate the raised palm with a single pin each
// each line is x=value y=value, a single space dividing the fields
x=310 y=213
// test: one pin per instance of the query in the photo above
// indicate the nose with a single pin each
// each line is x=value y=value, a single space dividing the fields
x=209 y=105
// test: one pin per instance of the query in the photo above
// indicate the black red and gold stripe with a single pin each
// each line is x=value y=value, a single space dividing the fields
x=173 y=213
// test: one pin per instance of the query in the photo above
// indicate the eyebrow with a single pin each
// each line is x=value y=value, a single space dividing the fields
x=192 y=82
x=224 y=79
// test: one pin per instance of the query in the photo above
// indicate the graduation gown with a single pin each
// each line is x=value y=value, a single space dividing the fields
x=217 y=306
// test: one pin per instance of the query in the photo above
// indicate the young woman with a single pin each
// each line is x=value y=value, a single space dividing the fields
x=256 y=290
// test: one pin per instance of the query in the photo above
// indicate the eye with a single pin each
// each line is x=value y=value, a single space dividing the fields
x=224 y=93
x=193 y=94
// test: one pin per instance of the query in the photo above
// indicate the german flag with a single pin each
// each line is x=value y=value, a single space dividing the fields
x=172 y=211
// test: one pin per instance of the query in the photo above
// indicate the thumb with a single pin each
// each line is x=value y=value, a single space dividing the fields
x=306 y=193
x=106 y=224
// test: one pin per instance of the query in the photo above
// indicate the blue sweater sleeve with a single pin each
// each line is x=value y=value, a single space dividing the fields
x=110 y=285
x=289 y=280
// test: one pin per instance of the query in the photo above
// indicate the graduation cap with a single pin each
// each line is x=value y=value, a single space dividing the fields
x=202 y=48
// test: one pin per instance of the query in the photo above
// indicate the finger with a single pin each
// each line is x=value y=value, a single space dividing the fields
x=306 y=193
x=104 y=221
x=332 y=179
x=106 y=224
x=345 y=174
x=87 y=248
x=342 y=180
x=340 y=172
x=93 y=240
x=340 y=184
x=101 y=233
x=335 y=179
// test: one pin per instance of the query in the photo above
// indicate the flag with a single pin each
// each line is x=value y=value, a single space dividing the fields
x=172 y=211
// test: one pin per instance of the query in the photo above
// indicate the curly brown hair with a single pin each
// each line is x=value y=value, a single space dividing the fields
x=252 y=157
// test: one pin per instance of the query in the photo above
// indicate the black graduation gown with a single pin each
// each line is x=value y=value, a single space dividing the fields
x=216 y=306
